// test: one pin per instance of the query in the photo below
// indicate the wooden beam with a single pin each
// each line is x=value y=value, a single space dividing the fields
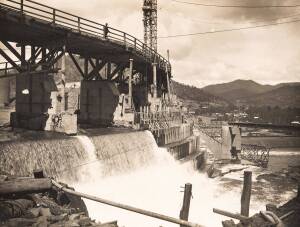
x=96 y=70
x=76 y=64
x=184 y=212
x=108 y=71
x=246 y=193
x=86 y=67
x=12 y=50
x=30 y=73
x=59 y=56
x=127 y=207
x=25 y=186
x=232 y=215
x=36 y=54
x=7 y=58
x=116 y=70
x=92 y=63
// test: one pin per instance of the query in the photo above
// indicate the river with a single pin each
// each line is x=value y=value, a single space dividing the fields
x=157 y=187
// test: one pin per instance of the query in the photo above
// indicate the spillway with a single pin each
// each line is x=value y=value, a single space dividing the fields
x=65 y=157
x=126 y=167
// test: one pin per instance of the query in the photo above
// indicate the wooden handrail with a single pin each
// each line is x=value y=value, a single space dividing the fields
x=55 y=16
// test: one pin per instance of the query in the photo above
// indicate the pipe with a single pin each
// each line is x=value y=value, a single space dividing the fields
x=130 y=83
x=231 y=215
x=154 y=79
x=126 y=207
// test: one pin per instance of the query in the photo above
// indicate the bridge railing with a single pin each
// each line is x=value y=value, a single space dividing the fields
x=85 y=26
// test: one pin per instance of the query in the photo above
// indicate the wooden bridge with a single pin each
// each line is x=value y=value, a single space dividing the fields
x=266 y=126
x=40 y=37
x=46 y=29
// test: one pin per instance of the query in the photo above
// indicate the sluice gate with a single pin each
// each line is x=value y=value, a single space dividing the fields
x=222 y=138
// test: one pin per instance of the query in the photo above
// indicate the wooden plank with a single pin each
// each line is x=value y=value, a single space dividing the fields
x=25 y=185
x=12 y=50
x=10 y=61
x=246 y=193
x=77 y=65
x=231 y=215
x=126 y=207
x=184 y=212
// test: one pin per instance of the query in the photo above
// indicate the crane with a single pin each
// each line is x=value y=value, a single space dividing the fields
x=150 y=23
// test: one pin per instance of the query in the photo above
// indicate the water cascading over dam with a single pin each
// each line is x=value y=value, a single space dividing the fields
x=124 y=167
x=65 y=157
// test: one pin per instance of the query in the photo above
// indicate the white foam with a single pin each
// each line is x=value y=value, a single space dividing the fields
x=91 y=165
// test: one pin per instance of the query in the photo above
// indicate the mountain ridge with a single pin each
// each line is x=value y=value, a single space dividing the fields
x=246 y=92
x=252 y=93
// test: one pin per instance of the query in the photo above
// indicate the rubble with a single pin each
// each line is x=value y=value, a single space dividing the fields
x=286 y=215
x=51 y=208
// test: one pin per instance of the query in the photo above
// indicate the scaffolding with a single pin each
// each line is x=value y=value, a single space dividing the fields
x=150 y=23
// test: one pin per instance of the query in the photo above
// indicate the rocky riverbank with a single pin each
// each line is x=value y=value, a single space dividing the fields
x=48 y=208
x=279 y=190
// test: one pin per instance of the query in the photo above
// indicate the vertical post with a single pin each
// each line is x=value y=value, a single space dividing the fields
x=108 y=71
x=298 y=193
x=135 y=43
x=86 y=67
x=23 y=67
x=33 y=52
x=130 y=83
x=6 y=68
x=23 y=56
x=246 y=193
x=54 y=12
x=22 y=6
x=63 y=79
x=168 y=79
x=78 y=24
x=44 y=53
x=124 y=37
x=154 y=79
x=184 y=212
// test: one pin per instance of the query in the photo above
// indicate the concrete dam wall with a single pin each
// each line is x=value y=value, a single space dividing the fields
x=63 y=157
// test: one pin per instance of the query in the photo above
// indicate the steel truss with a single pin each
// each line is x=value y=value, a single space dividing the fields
x=256 y=153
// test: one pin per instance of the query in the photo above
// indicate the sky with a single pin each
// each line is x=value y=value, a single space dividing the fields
x=268 y=55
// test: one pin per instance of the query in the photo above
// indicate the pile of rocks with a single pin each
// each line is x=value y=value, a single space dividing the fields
x=52 y=208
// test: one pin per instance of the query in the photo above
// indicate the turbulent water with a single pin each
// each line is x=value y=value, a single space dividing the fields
x=155 y=186
x=129 y=168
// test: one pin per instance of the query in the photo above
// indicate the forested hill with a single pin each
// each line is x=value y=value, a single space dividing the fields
x=184 y=92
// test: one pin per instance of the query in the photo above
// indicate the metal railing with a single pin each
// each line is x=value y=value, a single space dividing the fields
x=84 y=26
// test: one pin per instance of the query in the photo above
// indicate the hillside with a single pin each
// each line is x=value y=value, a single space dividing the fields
x=250 y=92
x=187 y=92
x=284 y=96
x=237 y=89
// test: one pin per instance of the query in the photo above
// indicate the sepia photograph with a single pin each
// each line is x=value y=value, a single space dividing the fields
x=150 y=113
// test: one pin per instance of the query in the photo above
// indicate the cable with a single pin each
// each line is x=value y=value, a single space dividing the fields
x=228 y=30
x=236 y=6
x=254 y=21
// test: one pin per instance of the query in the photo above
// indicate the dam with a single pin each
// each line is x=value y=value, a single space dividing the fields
x=92 y=108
